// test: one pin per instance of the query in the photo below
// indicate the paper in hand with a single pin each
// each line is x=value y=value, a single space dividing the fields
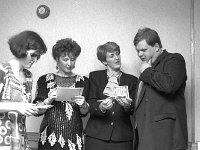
x=67 y=94
x=122 y=91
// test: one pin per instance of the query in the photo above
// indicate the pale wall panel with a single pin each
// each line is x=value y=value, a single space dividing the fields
x=93 y=22
x=197 y=70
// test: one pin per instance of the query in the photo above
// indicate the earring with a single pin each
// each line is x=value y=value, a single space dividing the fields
x=57 y=66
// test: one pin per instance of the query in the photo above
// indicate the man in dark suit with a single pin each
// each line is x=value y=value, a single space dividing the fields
x=160 y=111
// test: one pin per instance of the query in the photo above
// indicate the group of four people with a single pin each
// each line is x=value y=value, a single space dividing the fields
x=151 y=117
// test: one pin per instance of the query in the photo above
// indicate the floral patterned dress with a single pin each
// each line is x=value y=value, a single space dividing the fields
x=12 y=123
x=61 y=128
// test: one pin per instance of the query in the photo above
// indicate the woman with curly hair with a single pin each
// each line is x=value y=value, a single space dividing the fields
x=62 y=127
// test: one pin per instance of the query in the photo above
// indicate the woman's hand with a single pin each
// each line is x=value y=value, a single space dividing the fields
x=52 y=95
x=27 y=109
x=125 y=102
x=106 y=104
x=79 y=100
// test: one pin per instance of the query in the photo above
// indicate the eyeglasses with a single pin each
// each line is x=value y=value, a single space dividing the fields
x=35 y=55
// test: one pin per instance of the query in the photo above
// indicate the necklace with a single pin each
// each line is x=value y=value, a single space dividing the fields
x=62 y=74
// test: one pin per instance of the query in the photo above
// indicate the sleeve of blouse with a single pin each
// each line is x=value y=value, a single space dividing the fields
x=2 y=74
x=86 y=88
x=85 y=92
x=41 y=90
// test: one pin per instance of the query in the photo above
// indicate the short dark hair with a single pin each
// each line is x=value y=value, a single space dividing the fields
x=20 y=43
x=150 y=35
x=65 y=46
x=107 y=47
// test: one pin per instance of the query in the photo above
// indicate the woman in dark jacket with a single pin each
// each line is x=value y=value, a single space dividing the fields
x=111 y=103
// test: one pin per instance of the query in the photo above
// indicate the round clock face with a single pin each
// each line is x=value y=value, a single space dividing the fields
x=43 y=11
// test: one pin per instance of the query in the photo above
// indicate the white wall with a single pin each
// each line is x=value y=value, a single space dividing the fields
x=196 y=120
x=94 y=22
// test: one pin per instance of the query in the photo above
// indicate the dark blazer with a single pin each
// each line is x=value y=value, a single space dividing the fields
x=160 y=114
x=115 y=124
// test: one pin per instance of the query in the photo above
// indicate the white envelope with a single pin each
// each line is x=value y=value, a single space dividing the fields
x=66 y=94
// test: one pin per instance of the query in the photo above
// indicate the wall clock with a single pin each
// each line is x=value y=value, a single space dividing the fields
x=43 y=11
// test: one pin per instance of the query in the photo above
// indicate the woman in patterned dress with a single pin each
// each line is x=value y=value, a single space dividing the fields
x=15 y=89
x=61 y=128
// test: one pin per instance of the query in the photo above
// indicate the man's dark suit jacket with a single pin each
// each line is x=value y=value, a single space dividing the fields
x=115 y=123
x=161 y=111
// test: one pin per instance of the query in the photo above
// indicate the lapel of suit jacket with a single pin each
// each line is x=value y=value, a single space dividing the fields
x=141 y=94
x=122 y=79
x=104 y=80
